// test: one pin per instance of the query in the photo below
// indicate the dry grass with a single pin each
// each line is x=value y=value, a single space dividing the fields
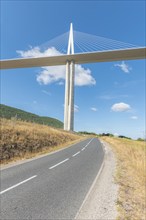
x=23 y=140
x=131 y=177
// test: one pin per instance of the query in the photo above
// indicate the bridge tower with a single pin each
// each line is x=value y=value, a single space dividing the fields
x=69 y=86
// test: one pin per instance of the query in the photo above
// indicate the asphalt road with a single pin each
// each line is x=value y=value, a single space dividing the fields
x=51 y=187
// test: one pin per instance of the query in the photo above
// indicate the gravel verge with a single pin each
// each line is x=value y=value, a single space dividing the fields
x=100 y=203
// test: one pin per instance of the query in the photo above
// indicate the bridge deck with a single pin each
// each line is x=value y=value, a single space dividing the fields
x=103 y=56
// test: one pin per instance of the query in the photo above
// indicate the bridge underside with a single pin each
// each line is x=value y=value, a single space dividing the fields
x=104 y=56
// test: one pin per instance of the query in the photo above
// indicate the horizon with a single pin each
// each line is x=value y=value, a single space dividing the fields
x=115 y=135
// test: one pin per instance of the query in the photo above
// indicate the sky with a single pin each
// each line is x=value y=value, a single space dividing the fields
x=109 y=96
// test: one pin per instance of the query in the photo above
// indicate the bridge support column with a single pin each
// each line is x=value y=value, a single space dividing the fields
x=71 y=98
x=67 y=90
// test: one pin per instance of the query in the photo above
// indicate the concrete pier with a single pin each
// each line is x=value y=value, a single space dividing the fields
x=69 y=97
x=67 y=90
x=69 y=86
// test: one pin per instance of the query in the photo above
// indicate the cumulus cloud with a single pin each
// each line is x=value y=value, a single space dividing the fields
x=83 y=76
x=120 y=107
x=124 y=67
x=93 y=109
x=36 y=52
x=134 y=117
x=51 y=74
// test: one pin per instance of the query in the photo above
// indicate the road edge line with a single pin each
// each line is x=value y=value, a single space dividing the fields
x=93 y=184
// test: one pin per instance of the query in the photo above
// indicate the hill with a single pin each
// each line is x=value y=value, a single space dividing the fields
x=10 y=112
x=21 y=139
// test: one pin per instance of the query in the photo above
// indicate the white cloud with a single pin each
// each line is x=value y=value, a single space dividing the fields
x=76 y=108
x=36 y=52
x=94 y=109
x=124 y=67
x=83 y=76
x=50 y=74
x=120 y=107
x=61 y=83
x=134 y=117
x=53 y=74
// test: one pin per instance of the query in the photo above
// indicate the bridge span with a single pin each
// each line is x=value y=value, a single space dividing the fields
x=80 y=58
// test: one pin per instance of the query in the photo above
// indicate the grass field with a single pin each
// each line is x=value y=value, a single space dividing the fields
x=131 y=177
x=24 y=140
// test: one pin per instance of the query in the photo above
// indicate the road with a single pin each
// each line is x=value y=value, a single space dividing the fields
x=53 y=186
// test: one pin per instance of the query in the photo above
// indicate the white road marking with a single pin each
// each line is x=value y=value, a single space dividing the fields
x=18 y=184
x=91 y=188
x=59 y=163
x=75 y=154
x=83 y=148
x=89 y=142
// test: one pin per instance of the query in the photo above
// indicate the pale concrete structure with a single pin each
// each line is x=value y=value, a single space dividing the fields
x=71 y=98
x=66 y=98
x=80 y=58
x=69 y=86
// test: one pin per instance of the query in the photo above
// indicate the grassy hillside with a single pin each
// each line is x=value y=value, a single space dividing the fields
x=9 y=112
x=131 y=177
x=24 y=139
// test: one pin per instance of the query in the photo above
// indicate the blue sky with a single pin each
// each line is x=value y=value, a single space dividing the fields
x=109 y=97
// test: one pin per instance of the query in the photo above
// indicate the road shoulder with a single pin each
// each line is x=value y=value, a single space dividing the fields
x=100 y=202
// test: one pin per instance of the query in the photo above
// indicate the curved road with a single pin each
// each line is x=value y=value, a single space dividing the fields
x=53 y=186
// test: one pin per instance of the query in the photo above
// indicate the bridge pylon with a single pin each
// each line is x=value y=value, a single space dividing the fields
x=69 y=86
